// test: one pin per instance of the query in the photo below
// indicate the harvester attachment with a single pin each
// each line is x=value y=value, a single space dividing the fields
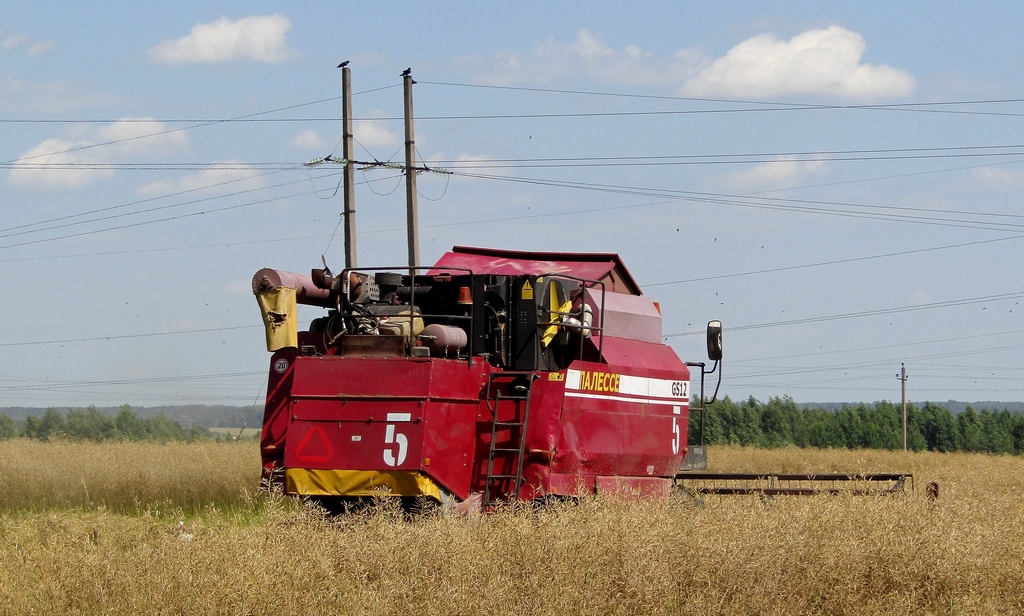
x=794 y=484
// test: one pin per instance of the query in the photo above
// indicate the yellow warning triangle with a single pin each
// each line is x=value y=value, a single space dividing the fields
x=527 y=290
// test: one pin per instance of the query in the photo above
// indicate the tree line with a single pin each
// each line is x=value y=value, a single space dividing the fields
x=89 y=424
x=781 y=422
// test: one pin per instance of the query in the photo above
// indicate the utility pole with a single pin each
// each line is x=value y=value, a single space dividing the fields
x=349 y=173
x=902 y=376
x=412 y=220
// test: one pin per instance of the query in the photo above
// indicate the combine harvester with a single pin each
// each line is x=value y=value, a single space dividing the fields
x=497 y=373
x=490 y=376
x=493 y=375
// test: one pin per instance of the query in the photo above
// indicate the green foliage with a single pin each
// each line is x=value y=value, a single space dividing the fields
x=91 y=425
x=7 y=429
x=780 y=423
x=51 y=425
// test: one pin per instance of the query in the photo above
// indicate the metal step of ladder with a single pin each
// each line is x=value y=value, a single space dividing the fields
x=511 y=451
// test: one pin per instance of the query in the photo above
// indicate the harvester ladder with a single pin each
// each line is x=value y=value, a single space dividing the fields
x=519 y=385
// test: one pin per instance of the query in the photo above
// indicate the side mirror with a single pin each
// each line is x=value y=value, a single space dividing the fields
x=715 y=340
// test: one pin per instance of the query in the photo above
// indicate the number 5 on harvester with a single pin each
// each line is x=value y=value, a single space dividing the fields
x=393 y=437
x=677 y=433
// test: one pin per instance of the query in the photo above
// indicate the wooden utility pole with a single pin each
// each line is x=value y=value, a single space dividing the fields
x=349 y=174
x=412 y=220
x=902 y=376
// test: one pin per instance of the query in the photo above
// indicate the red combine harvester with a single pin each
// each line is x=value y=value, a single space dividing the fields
x=492 y=375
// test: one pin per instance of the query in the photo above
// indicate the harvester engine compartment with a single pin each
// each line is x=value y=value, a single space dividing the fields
x=517 y=322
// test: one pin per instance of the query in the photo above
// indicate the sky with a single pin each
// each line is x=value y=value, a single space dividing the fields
x=839 y=183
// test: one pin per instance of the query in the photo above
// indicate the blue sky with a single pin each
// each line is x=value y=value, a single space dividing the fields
x=839 y=183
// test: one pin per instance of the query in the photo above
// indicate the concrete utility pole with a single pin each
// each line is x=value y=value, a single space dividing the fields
x=412 y=220
x=349 y=175
x=902 y=376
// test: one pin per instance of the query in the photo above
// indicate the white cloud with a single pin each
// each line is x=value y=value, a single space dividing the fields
x=307 y=140
x=781 y=173
x=78 y=159
x=826 y=62
x=817 y=62
x=38 y=48
x=258 y=38
x=13 y=41
x=588 y=55
x=32 y=47
x=918 y=298
x=53 y=97
x=54 y=164
x=231 y=176
x=999 y=179
x=376 y=134
x=140 y=135
x=368 y=134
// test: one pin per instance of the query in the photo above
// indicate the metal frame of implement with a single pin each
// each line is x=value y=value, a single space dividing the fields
x=794 y=484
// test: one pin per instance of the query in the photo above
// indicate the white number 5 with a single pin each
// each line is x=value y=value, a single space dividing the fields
x=677 y=433
x=393 y=437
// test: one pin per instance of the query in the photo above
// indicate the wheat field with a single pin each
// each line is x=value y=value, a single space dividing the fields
x=88 y=529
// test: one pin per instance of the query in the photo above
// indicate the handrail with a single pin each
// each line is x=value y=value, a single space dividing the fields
x=583 y=284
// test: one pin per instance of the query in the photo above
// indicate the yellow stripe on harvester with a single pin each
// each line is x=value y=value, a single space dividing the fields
x=332 y=482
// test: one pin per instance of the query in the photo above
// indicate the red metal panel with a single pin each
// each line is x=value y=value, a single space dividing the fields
x=385 y=414
x=630 y=316
x=449 y=445
x=275 y=414
x=635 y=487
x=542 y=434
x=395 y=377
x=592 y=266
x=572 y=484
x=355 y=435
x=623 y=421
x=644 y=358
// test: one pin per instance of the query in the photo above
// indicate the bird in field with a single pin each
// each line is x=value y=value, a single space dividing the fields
x=406 y=72
x=343 y=64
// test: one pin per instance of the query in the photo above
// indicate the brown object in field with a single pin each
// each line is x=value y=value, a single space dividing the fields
x=932 y=491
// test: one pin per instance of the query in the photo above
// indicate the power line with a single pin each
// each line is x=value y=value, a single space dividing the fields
x=875 y=212
x=163 y=132
x=903 y=345
x=65 y=225
x=867 y=313
x=763 y=105
x=47 y=385
x=151 y=222
x=759 y=106
x=787 y=268
x=885 y=154
x=923 y=153
x=128 y=336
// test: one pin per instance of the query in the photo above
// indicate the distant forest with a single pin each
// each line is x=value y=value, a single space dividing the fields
x=207 y=416
x=123 y=423
x=781 y=422
x=954 y=426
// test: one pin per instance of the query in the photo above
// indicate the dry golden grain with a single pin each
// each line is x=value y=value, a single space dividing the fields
x=261 y=554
